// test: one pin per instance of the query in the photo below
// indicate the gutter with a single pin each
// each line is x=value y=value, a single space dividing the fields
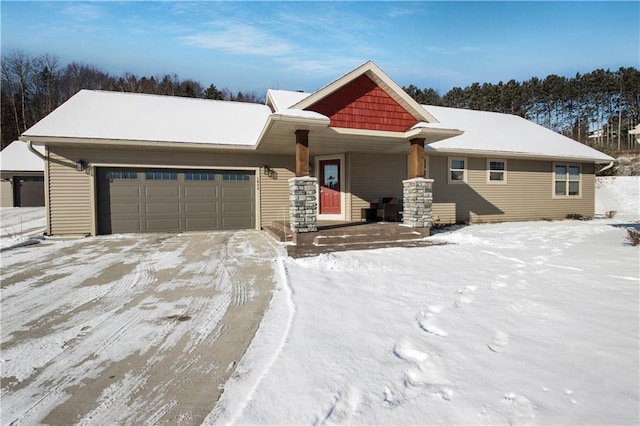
x=132 y=142
x=607 y=167
x=35 y=151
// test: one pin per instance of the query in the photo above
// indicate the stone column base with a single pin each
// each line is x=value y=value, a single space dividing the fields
x=417 y=200
x=303 y=204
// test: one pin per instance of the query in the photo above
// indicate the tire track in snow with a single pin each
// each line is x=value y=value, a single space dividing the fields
x=73 y=360
x=282 y=278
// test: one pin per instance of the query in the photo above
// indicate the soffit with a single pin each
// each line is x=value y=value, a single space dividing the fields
x=280 y=139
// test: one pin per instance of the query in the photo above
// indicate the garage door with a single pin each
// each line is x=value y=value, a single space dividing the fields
x=28 y=191
x=154 y=200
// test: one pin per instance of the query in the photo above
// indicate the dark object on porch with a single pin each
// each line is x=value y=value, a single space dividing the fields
x=386 y=209
x=369 y=215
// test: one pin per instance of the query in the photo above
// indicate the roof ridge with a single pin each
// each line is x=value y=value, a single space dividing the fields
x=156 y=95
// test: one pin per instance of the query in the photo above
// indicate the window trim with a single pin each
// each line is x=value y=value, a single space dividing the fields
x=450 y=169
x=504 y=171
x=553 y=181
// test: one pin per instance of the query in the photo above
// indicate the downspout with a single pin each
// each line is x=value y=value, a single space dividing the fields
x=46 y=185
x=35 y=151
x=607 y=167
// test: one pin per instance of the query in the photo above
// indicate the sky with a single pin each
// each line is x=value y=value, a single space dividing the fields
x=296 y=45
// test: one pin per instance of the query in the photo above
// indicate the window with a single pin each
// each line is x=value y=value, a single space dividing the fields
x=235 y=176
x=566 y=180
x=124 y=175
x=457 y=170
x=199 y=176
x=165 y=175
x=496 y=171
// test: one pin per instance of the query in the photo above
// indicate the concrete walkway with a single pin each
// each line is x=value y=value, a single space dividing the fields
x=129 y=329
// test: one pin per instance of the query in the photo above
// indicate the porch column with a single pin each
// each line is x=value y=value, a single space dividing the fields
x=302 y=153
x=417 y=191
x=416 y=158
x=303 y=203
x=417 y=200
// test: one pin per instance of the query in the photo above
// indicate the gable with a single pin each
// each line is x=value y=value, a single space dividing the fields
x=362 y=104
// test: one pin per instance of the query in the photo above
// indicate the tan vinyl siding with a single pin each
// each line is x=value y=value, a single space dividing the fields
x=70 y=201
x=527 y=195
x=373 y=176
x=70 y=187
x=274 y=195
x=443 y=212
x=6 y=193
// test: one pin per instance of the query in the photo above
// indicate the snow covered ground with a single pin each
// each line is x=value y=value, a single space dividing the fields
x=128 y=329
x=17 y=224
x=510 y=323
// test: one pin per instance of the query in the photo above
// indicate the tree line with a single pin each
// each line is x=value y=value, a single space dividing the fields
x=33 y=86
x=597 y=108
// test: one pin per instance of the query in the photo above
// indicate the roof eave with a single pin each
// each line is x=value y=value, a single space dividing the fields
x=301 y=123
x=551 y=157
x=432 y=135
x=57 y=140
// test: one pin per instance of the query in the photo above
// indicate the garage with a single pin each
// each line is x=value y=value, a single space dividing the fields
x=170 y=200
x=28 y=191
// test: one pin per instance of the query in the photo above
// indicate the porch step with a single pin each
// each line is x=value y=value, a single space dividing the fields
x=341 y=236
x=313 y=250
x=366 y=237
x=279 y=232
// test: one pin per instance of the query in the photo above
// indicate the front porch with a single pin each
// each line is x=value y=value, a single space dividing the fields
x=332 y=236
x=360 y=138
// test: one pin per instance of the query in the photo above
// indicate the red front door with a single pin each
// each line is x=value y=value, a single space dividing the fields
x=330 y=187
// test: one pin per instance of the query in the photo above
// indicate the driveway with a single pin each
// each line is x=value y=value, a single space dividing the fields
x=129 y=329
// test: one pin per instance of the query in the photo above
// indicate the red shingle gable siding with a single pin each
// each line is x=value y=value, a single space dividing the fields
x=361 y=104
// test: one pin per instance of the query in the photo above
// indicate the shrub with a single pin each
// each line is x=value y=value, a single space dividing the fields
x=577 y=216
x=610 y=214
x=633 y=235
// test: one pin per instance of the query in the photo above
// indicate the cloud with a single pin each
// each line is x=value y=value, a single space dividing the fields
x=321 y=67
x=83 y=11
x=461 y=50
x=397 y=12
x=240 y=39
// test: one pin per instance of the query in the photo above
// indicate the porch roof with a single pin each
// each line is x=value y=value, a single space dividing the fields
x=323 y=139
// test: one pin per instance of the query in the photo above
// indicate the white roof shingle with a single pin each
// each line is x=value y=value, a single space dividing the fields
x=283 y=99
x=139 y=117
x=17 y=157
x=507 y=134
x=91 y=114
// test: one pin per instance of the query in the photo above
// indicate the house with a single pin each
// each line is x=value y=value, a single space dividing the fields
x=121 y=162
x=21 y=176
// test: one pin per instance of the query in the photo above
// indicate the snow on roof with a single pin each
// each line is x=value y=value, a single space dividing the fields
x=300 y=113
x=93 y=114
x=17 y=157
x=132 y=116
x=507 y=134
x=283 y=99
